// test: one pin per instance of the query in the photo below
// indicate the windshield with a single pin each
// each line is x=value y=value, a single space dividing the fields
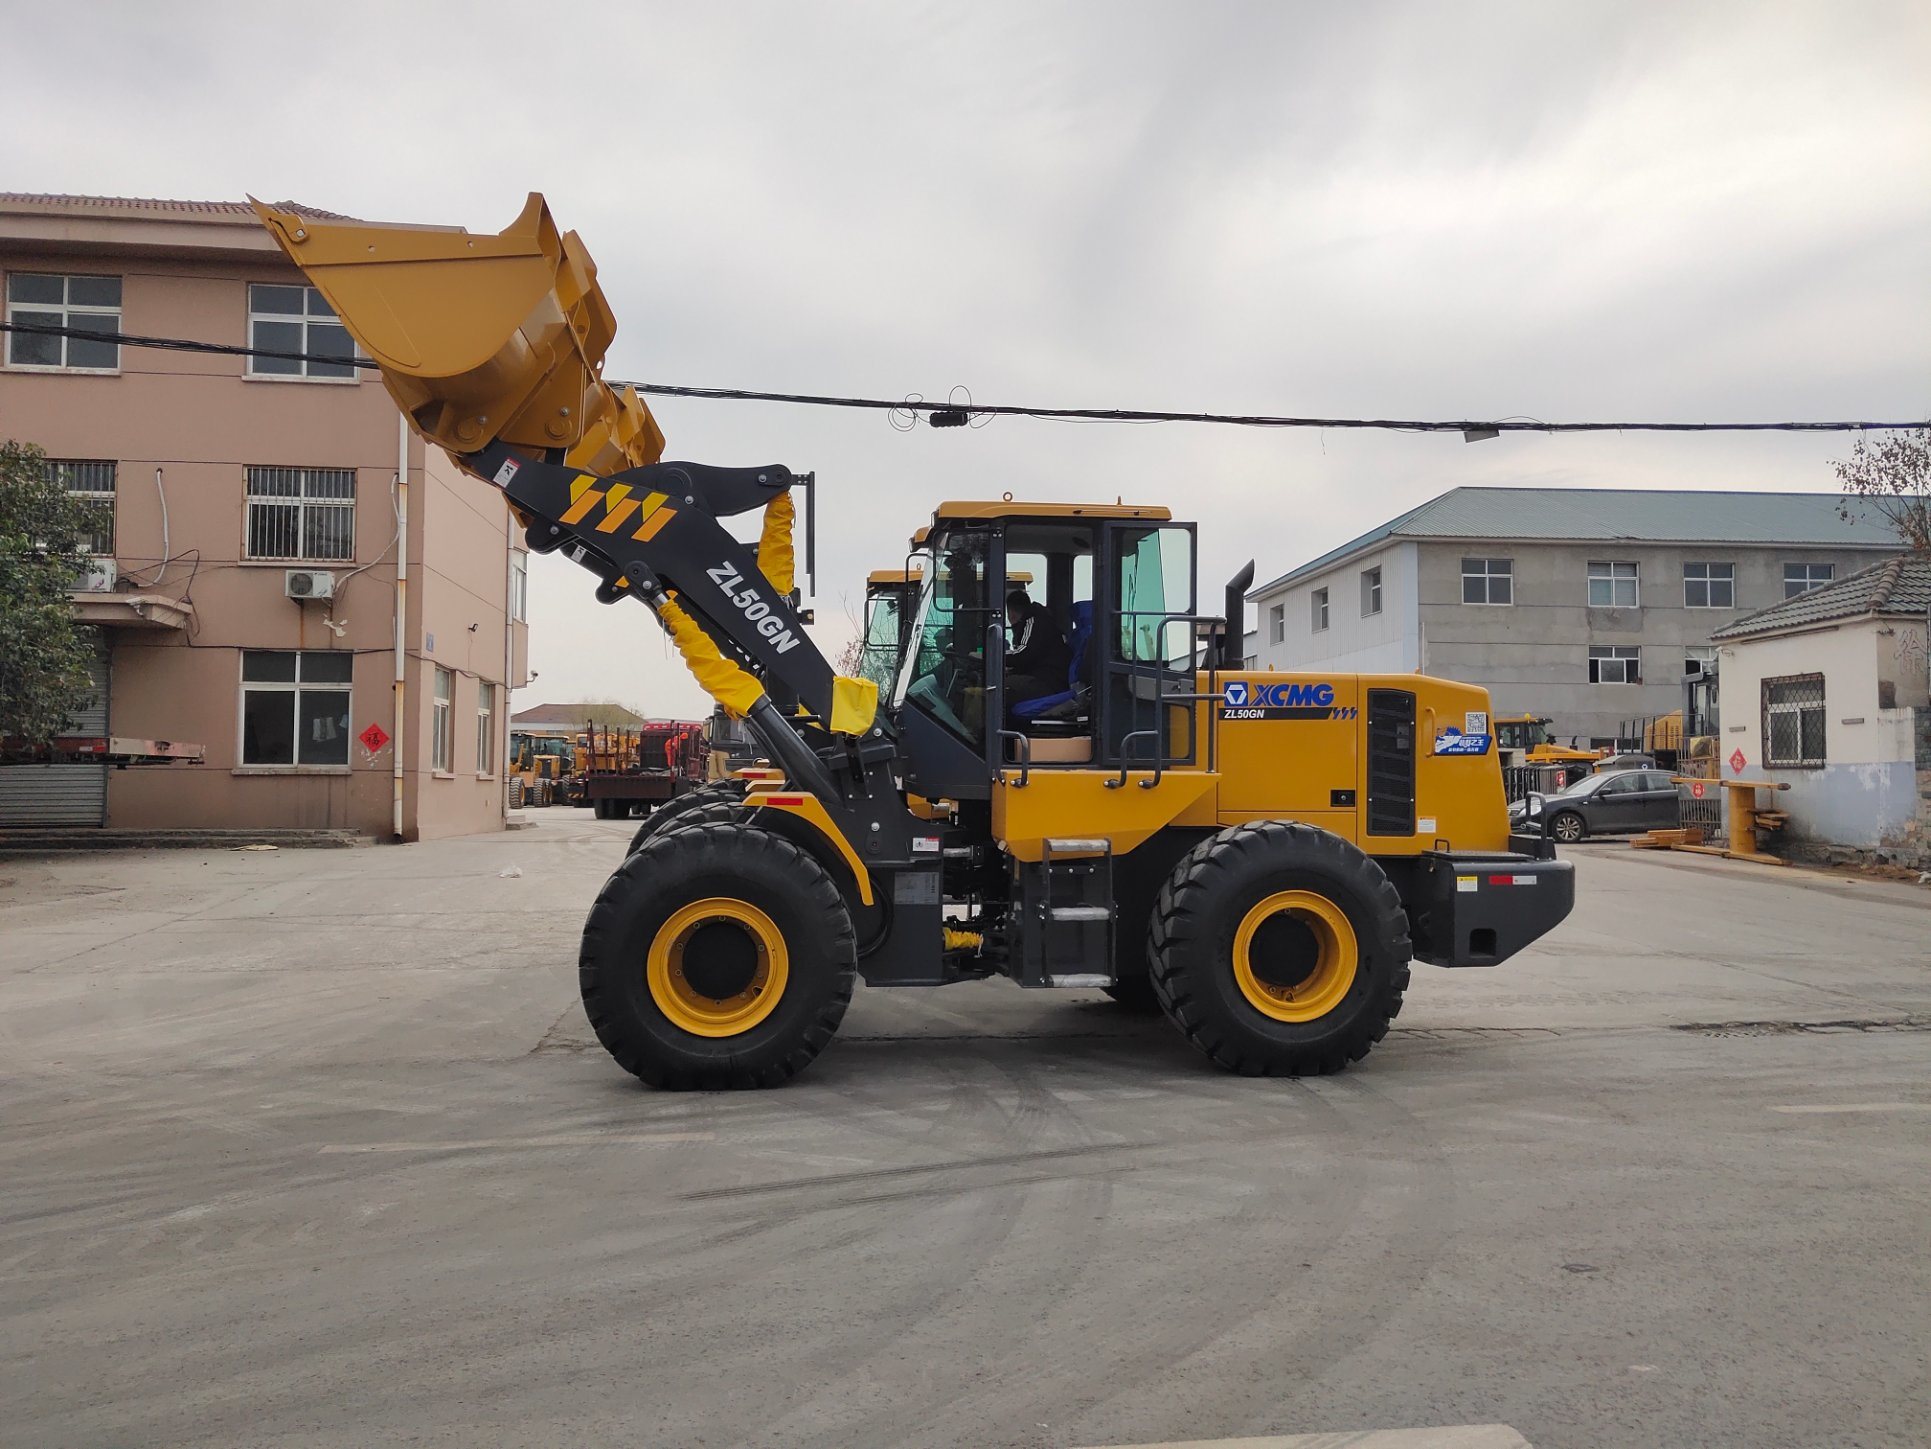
x=1587 y=785
x=944 y=669
x=878 y=656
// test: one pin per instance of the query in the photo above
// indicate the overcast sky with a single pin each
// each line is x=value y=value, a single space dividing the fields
x=1562 y=211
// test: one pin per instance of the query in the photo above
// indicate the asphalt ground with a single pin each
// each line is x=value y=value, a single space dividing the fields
x=315 y=1148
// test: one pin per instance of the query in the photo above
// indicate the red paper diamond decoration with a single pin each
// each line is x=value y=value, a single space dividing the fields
x=374 y=738
x=1737 y=762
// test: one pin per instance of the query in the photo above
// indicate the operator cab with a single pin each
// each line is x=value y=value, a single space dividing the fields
x=1049 y=636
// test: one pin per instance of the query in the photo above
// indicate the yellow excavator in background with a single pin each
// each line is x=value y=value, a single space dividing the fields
x=1259 y=856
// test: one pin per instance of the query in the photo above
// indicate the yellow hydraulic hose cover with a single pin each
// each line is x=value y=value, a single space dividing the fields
x=854 y=704
x=776 y=558
x=723 y=680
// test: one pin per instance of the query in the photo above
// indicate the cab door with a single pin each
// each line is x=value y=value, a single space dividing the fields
x=1146 y=653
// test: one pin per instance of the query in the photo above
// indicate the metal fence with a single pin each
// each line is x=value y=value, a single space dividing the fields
x=1520 y=780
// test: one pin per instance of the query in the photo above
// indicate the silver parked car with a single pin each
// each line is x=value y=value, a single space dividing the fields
x=1601 y=805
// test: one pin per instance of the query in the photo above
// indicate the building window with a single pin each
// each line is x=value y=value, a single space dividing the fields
x=1698 y=660
x=520 y=587
x=441 y=742
x=1612 y=585
x=89 y=304
x=1319 y=600
x=1488 y=581
x=1709 y=586
x=297 y=319
x=295 y=707
x=92 y=484
x=1370 y=592
x=485 y=735
x=1615 y=664
x=1801 y=578
x=1793 y=722
x=303 y=514
x=1277 y=624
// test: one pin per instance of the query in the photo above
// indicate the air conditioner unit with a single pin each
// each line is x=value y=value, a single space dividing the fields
x=307 y=584
x=99 y=575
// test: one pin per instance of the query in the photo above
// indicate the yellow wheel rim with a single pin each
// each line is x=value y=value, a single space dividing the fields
x=681 y=980
x=1337 y=958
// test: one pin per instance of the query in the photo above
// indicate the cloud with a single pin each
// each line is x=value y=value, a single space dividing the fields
x=1558 y=211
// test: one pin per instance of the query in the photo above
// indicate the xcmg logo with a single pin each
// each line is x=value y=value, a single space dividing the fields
x=1242 y=695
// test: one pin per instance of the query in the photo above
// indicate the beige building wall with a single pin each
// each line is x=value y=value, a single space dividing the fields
x=198 y=421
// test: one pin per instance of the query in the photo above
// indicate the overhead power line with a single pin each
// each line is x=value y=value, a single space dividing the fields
x=953 y=414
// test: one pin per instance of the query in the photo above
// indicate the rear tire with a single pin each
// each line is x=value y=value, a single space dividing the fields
x=1279 y=949
x=717 y=958
x=601 y=809
x=668 y=814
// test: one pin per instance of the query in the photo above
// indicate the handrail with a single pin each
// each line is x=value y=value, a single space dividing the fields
x=1159 y=760
x=1025 y=756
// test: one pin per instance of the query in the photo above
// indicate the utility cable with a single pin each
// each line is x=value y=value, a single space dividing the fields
x=951 y=414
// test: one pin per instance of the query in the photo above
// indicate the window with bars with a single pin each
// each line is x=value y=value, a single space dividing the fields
x=92 y=483
x=295 y=707
x=1488 y=581
x=1801 y=578
x=297 y=319
x=1319 y=603
x=485 y=729
x=1612 y=585
x=301 y=514
x=442 y=722
x=89 y=304
x=1615 y=664
x=1709 y=586
x=1793 y=722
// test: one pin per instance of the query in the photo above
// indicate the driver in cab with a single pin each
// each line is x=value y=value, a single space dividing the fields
x=1038 y=656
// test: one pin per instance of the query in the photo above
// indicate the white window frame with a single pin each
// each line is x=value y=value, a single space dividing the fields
x=295 y=687
x=71 y=475
x=1277 y=623
x=1708 y=576
x=1371 y=592
x=1614 y=573
x=1319 y=610
x=312 y=300
x=485 y=729
x=519 y=587
x=1798 y=708
x=1810 y=581
x=442 y=723
x=67 y=312
x=303 y=501
x=1488 y=574
x=1622 y=655
x=1704 y=654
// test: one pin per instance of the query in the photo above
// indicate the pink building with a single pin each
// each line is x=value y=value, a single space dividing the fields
x=248 y=596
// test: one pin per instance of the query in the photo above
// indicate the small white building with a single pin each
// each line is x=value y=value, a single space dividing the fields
x=1827 y=691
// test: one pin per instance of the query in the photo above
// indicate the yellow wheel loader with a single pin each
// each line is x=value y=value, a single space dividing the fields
x=1261 y=854
x=1524 y=739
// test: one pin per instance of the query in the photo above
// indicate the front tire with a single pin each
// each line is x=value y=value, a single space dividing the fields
x=717 y=957
x=1569 y=827
x=672 y=811
x=1279 y=949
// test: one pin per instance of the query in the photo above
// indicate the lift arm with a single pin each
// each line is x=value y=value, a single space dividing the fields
x=494 y=346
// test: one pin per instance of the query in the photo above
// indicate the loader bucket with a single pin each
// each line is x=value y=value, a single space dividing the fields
x=480 y=338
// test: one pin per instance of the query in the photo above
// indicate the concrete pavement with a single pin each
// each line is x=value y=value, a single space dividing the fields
x=314 y=1148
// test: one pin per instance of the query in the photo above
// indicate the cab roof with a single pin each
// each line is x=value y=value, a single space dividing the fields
x=894 y=576
x=1016 y=508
